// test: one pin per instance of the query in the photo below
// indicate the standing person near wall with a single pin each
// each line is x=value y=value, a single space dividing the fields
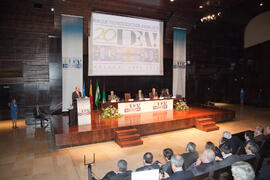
x=242 y=96
x=14 y=113
x=260 y=98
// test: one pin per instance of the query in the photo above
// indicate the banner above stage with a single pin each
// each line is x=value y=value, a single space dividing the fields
x=72 y=57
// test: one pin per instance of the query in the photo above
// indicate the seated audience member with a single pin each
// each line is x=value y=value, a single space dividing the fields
x=210 y=145
x=190 y=156
x=38 y=112
x=122 y=171
x=265 y=149
x=177 y=162
x=107 y=176
x=205 y=163
x=112 y=97
x=228 y=157
x=233 y=140
x=242 y=170
x=139 y=95
x=260 y=137
x=249 y=137
x=153 y=94
x=251 y=151
x=166 y=93
x=168 y=153
x=147 y=161
x=264 y=173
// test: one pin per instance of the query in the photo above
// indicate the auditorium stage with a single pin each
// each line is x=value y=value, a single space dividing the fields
x=102 y=130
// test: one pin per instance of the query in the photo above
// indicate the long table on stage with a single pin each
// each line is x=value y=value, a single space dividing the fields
x=146 y=123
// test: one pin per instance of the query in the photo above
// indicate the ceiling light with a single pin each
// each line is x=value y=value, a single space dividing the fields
x=261 y=4
x=171 y=0
x=52 y=9
x=200 y=6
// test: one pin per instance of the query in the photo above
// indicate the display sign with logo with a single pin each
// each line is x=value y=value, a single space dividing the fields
x=84 y=111
x=145 y=106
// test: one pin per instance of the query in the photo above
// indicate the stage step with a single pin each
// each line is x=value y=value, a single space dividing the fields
x=127 y=138
x=206 y=124
x=204 y=119
x=126 y=131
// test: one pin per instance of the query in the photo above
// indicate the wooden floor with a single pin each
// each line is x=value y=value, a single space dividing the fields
x=102 y=130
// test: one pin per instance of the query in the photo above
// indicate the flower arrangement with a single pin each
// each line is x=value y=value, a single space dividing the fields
x=181 y=106
x=110 y=112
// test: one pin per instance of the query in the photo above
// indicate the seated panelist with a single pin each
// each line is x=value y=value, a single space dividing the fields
x=113 y=97
x=139 y=95
x=153 y=94
x=166 y=93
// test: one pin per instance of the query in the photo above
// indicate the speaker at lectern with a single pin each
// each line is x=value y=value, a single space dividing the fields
x=83 y=111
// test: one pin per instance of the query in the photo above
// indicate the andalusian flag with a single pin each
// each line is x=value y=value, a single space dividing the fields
x=103 y=93
x=97 y=98
x=91 y=94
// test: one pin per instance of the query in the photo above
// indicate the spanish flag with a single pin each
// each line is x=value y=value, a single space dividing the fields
x=91 y=94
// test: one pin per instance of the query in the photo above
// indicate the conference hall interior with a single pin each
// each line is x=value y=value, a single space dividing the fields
x=135 y=89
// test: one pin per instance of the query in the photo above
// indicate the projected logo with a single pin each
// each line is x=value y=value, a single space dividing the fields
x=160 y=105
x=134 y=107
x=125 y=45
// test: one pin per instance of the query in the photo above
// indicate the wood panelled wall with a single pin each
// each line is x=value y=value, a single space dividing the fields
x=24 y=71
x=256 y=73
x=30 y=53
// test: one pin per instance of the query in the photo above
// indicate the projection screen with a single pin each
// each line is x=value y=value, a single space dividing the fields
x=121 y=45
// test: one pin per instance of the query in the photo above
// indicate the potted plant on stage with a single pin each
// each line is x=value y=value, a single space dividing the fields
x=181 y=106
x=110 y=112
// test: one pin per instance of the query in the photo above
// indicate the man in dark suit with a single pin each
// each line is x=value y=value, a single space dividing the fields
x=234 y=141
x=166 y=93
x=73 y=120
x=265 y=149
x=264 y=173
x=139 y=95
x=153 y=94
x=228 y=157
x=205 y=163
x=76 y=94
x=147 y=161
x=190 y=156
x=260 y=137
x=38 y=112
x=251 y=150
x=122 y=172
x=168 y=153
x=249 y=137
x=177 y=162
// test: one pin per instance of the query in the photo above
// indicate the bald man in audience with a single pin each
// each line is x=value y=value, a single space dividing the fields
x=205 y=163
x=177 y=162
